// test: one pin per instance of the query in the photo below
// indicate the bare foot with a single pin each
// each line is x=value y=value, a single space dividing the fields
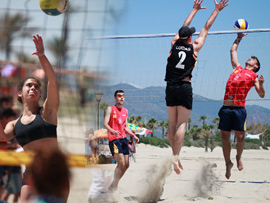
x=240 y=165
x=111 y=188
x=229 y=166
x=177 y=165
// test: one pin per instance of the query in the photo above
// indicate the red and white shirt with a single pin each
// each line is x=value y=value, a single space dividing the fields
x=118 y=122
x=238 y=85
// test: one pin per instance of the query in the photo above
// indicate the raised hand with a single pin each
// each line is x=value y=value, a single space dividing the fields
x=39 y=45
x=197 y=5
x=222 y=4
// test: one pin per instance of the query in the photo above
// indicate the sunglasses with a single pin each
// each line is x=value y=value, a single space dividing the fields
x=121 y=95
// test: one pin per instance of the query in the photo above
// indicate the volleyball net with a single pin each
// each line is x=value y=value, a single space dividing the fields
x=140 y=60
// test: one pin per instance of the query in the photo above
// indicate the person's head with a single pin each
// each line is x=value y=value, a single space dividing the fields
x=253 y=63
x=89 y=131
x=7 y=115
x=29 y=88
x=49 y=173
x=119 y=97
x=185 y=33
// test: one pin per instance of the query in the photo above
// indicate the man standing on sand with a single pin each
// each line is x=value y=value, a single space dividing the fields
x=115 y=122
x=233 y=114
x=180 y=64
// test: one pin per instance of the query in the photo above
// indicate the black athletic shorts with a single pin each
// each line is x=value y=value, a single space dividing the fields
x=232 y=118
x=119 y=146
x=179 y=94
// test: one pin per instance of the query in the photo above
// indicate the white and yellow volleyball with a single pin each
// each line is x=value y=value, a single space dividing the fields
x=241 y=24
x=53 y=7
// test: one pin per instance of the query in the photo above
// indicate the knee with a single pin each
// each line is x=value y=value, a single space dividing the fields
x=122 y=166
x=240 y=138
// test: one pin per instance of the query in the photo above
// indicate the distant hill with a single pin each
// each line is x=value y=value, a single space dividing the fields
x=150 y=102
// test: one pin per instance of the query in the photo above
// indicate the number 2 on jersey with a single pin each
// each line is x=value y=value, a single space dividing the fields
x=182 y=56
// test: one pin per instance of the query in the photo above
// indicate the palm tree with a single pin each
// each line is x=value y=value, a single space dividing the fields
x=203 y=118
x=216 y=121
x=189 y=123
x=206 y=133
x=194 y=132
x=162 y=124
x=131 y=119
x=152 y=124
x=12 y=26
x=104 y=106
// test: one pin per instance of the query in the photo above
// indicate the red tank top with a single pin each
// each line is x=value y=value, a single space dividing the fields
x=118 y=122
x=238 y=85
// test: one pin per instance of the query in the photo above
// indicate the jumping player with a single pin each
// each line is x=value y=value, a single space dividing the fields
x=115 y=122
x=233 y=113
x=180 y=63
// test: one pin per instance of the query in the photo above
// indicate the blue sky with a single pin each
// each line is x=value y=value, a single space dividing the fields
x=142 y=61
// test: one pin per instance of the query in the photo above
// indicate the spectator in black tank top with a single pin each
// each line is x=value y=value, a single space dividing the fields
x=180 y=63
x=29 y=94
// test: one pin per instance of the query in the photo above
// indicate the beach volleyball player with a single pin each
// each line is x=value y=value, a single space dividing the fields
x=35 y=129
x=233 y=113
x=180 y=64
x=115 y=122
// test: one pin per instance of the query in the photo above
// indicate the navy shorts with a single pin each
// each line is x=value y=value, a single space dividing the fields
x=119 y=146
x=179 y=94
x=232 y=118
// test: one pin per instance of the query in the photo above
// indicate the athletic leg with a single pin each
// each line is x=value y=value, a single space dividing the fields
x=240 y=136
x=178 y=118
x=122 y=165
x=226 y=147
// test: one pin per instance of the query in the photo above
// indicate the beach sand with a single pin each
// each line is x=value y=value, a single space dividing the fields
x=202 y=180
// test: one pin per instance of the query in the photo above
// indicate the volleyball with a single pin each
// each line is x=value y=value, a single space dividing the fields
x=53 y=7
x=241 y=24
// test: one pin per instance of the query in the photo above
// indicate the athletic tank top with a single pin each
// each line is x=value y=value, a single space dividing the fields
x=35 y=130
x=238 y=85
x=117 y=122
x=180 y=62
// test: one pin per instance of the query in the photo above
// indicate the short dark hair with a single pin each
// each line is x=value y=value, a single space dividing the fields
x=21 y=84
x=118 y=91
x=258 y=64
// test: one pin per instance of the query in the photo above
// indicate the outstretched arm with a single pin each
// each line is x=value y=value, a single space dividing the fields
x=234 y=58
x=51 y=103
x=199 y=42
x=196 y=8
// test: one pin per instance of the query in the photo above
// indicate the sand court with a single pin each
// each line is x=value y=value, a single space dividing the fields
x=202 y=179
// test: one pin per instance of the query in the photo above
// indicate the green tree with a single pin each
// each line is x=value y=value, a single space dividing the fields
x=189 y=123
x=104 y=106
x=203 y=118
x=216 y=121
x=206 y=133
x=163 y=125
x=12 y=26
x=152 y=124
x=131 y=119
x=194 y=132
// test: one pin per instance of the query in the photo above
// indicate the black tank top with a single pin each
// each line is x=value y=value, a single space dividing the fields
x=181 y=62
x=35 y=130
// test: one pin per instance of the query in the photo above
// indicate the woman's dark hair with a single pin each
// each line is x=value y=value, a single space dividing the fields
x=21 y=84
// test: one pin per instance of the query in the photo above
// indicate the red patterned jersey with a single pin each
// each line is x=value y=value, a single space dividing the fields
x=238 y=85
x=118 y=122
